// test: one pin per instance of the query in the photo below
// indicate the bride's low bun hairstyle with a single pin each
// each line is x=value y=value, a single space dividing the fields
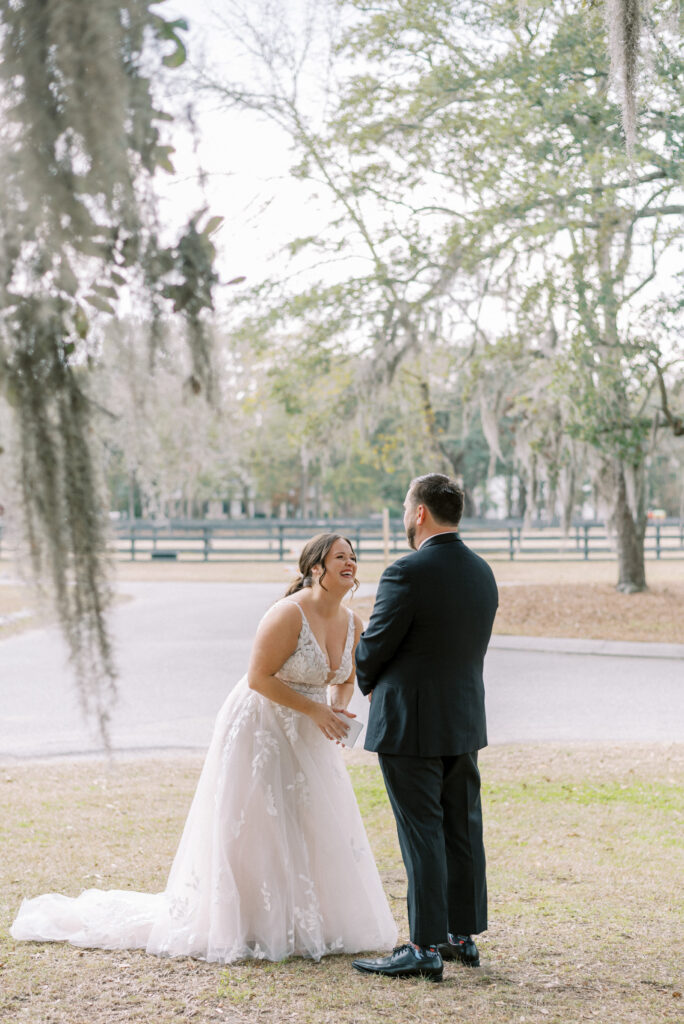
x=315 y=552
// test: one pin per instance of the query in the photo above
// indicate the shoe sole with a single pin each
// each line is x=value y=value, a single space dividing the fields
x=410 y=974
x=455 y=958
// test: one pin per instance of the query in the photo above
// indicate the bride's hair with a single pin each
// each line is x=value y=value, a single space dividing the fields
x=315 y=552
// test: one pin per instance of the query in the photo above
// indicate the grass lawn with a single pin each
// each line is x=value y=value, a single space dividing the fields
x=584 y=873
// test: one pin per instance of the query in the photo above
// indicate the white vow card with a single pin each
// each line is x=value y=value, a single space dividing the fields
x=355 y=728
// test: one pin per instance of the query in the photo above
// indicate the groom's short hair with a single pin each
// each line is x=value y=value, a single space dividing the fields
x=441 y=495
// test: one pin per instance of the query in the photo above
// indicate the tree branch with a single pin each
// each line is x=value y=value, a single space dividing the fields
x=675 y=422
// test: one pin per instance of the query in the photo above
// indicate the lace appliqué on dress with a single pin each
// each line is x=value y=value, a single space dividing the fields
x=307 y=668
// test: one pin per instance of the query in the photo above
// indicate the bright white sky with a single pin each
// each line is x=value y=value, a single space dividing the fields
x=247 y=160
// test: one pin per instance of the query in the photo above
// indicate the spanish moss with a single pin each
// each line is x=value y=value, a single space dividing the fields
x=78 y=231
x=623 y=25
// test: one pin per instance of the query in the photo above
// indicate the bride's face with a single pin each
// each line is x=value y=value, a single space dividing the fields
x=340 y=565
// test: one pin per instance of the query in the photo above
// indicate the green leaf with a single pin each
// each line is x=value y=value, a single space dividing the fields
x=99 y=303
x=106 y=291
x=178 y=57
x=81 y=322
x=212 y=225
x=171 y=26
x=66 y=279
x=92 y=247
x=162 y=158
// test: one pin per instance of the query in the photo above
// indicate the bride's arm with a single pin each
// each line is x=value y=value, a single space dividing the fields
x=275 y=640
x=342 y=693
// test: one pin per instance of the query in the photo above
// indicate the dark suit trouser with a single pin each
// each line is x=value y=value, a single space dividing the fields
x=436 y=804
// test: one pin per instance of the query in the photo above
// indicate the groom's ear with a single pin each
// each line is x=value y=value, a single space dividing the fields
x=420 y=514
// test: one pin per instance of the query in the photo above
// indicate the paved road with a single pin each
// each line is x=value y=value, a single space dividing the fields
x=182 y=646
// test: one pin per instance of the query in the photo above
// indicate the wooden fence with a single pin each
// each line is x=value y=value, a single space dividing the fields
x=281 y=540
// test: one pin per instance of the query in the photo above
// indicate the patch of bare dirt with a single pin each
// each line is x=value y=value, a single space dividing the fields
x=591 y=611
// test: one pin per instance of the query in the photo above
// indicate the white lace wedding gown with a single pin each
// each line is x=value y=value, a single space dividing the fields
x=273 y=861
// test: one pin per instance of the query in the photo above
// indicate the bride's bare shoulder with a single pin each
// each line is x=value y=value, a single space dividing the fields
x=283 y=613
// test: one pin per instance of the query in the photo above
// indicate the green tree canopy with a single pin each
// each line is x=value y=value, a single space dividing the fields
x=486 y=204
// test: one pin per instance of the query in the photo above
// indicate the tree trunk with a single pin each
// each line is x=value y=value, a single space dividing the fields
x=522 y=498
x=629 y=534
x=532 y=495
x=568 y=495
x=509 y=496
x=469 y=507
x=304 y=482
x=131 y=495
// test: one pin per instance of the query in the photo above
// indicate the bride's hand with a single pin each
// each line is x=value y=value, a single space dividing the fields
x=328 y=722
x=342 y=711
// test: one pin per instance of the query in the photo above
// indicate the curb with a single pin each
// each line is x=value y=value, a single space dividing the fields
x=567 y=645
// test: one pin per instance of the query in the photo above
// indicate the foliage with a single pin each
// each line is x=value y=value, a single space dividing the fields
x=167 y=452
x=623 y=27
x=495 y=228
x=81 y=142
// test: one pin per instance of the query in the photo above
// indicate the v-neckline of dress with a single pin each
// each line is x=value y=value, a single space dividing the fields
x=324 y=655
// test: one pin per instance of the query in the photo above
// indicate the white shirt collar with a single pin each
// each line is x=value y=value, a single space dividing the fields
x=440 y=534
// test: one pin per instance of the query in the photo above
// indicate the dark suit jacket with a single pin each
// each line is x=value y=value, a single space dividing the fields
x=423 y=650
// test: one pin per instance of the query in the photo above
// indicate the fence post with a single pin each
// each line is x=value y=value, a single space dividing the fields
x=207 y=542
x=358 y=542
x=586 y=542
x=281 y=542
x=657 y=526
x=386 y=534
x=133 y=544
x=511 y=545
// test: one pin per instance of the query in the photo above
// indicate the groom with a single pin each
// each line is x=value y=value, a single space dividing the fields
x=420 y=662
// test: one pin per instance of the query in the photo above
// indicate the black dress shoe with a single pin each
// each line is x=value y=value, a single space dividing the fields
x=460 y=947
x=404 y=962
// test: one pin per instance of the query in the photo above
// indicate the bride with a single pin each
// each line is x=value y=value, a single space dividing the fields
x=274 y=860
